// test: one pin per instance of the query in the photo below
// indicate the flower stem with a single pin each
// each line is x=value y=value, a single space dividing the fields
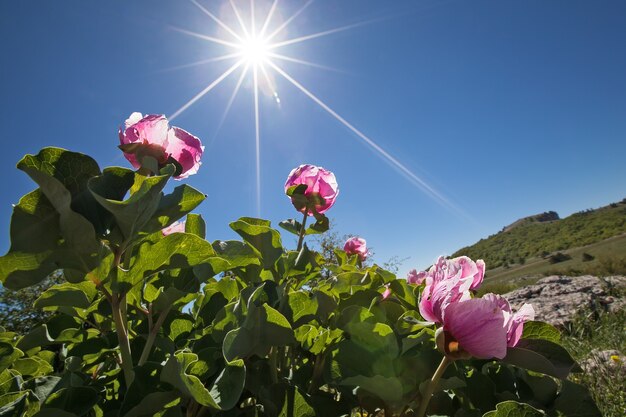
x=302 y=231
x=122 y=338
x=154 y=330
x=432 y=385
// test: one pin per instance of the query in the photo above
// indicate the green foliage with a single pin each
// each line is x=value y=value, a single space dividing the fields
x=588 y=334
x=146 y=324
x=531 y=238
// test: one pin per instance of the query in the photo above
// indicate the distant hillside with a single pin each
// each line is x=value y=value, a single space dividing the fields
x=541 y=235
x=547 y=216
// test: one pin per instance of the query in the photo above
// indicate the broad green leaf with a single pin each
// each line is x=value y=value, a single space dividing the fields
x=237 y=253
x=76 y=400
x=34 y=224
x=132 y=214
x=62 y=176
x=8 y=355
x=174 y=206
x=195 y=225
x=541 y=356
x=144 y=396
x=541 y=330
x=263 y=328
x=575 y=401
x=14 y=404
x=175 y=251
x=321 y=225
x=292 y=226
x=514 y=409
x=261 y=237
x=43 y=386
x=388 y=389
x=296 y=405
x=33 y=366
x=223 y=394
x=229 y=385
x=71 y=295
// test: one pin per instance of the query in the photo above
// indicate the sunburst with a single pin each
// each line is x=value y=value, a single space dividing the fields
x=255 y=53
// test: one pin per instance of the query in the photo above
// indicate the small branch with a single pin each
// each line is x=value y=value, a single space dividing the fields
x=154 y=330
x=432 y=385
x=302 y=231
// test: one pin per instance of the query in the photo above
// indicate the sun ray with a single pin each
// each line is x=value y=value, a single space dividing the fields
x=205 y=37
x=243 y=25
x=303 y=62
x=232 y=99
x=288 y=21
x=268 y=19
x=257 y=142
x=386 y=156
x=318 y=34
x=252 y=19
x=206 y=90
x=268 y=80
x=197 y=63
x=218 y=21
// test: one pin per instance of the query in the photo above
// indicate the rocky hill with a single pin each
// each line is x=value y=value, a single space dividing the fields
x=542 y=235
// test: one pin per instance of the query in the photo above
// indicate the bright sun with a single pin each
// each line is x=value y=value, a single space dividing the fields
x=254 y=50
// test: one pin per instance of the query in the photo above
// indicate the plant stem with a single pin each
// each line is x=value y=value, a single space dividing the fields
x=432 y=385
x=152 y=336
x=302 y=230
x=122 y=338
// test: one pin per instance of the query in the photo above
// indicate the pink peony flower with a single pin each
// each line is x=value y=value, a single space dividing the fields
x=444 y=285
x=356 y=246
x=415 y=277
x=484 y=327
x=447 y=281
x=176 y=227
x=154 y=137
x=319 y=182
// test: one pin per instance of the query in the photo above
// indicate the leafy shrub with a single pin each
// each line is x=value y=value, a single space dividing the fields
x=587 y=257
x=153 y=320
x=559 y=257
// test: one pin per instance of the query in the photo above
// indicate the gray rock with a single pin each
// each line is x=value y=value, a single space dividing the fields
x=557 y=299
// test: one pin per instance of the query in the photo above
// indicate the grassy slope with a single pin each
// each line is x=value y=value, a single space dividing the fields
x=521 y=251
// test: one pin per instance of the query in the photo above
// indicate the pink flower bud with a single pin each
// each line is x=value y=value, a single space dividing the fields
x=152 y=136
x=321 y=184
x=415 y=277
x=356 y=246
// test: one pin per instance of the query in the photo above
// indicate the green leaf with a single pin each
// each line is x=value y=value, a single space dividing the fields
x=62 y=177
x=388 y=389
x=541 y=356
x=296 y=405
x=8 y=355
x=575 y=401
x=71 y=295
x=237 y=253
x=14 y=404
x=514 y=409
x=263 y=328
x=144 y=396
x=175 y=206
x=261 y=237
x=195 y=225
x=229 y=385
x=175 y=251
x=292 y=226
x=224 y=393
x=34 y=224
x=132 y=214
x=321 y=225
x=541 y=330
x=77 y=400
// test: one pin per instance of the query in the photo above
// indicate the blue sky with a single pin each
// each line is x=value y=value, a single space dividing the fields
x=505 y=108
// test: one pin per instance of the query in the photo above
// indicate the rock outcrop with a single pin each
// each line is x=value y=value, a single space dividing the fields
x=557 y=299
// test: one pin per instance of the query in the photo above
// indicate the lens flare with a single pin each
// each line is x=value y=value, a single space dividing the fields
x=253 y=49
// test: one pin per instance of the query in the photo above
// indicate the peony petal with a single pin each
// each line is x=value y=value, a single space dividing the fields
x=478 y=325
x=186 y=149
